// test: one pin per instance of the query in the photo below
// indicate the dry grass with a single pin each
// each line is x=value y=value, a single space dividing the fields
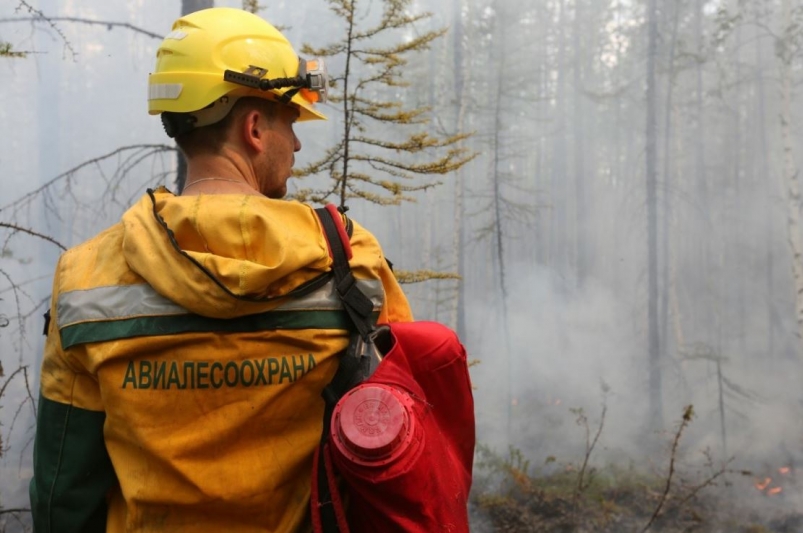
x=511 y=496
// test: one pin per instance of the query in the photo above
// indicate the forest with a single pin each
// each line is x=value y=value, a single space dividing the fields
x=601 y=197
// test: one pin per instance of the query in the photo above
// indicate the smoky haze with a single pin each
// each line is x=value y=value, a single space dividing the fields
x=628 y=233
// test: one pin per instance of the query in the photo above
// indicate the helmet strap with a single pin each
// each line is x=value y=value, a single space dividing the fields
x=288 y=95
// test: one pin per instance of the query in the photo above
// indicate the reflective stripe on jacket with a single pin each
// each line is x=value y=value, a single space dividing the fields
x=180 y=388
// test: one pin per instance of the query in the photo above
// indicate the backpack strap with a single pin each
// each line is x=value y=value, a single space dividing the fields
x=328 y=514
x=358 y=306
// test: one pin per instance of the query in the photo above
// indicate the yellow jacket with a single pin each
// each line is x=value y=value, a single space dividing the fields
x=180 y=388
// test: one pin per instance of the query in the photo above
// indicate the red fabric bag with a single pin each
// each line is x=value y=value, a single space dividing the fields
x=403 y=440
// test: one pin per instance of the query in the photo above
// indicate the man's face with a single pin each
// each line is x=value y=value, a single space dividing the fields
x=280 y=143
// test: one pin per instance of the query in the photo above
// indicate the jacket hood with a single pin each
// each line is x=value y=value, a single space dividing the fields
x=223 y=255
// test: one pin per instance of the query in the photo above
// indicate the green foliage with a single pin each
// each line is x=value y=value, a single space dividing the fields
x=6 y=50
x=367 y=93
x=417 y=276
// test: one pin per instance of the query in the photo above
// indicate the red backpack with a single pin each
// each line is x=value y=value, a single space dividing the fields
x=401 y=437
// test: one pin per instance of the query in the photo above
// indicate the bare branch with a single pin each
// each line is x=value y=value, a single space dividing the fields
x=33 y=233
x=8 y=380
x=688 y=413
x=93 y=161
x=41 y=17
x=16 y=291
x=590 y=445
x=28 y=390
x=707 y=483
x=20 y=510
x=108 y=23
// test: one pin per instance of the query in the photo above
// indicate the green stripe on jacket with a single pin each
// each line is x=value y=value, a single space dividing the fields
x=106 y=330
x=73 y=472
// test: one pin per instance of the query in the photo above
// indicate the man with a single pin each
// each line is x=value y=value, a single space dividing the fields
x=187 y=346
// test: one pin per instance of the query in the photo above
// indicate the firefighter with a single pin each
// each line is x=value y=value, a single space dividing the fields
x=187 y=345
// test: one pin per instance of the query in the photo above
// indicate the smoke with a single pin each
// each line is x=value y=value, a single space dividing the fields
x=570 y=350
x=582 y=348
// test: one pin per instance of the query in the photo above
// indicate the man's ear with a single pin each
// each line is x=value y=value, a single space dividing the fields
x=252 y=130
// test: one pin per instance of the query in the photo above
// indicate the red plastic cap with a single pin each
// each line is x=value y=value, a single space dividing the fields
x=372 y=423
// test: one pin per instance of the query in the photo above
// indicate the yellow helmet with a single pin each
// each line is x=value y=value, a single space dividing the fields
x=214 y=56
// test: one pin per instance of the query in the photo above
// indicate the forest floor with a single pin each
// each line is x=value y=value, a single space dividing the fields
x=509 y=497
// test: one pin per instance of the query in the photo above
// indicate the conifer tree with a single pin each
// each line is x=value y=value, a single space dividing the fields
x=372 y=161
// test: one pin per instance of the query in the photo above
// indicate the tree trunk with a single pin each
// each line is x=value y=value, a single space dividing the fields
x=763 y=174
x=790 y=173
x=497 y=207
x=739 y=284
x=187 y=7
x=541 y=178
x=581 y=208
x=673 y=255
x=666 y=197
x=618 y=172
x=701 y=310
x=653 y=343
x=457 y=315
x=559 y=244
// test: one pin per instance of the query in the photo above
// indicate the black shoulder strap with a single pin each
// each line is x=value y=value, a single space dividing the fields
x=350 y=369
x=358 y=306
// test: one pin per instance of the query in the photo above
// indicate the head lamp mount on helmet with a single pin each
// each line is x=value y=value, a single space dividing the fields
x=312 y=79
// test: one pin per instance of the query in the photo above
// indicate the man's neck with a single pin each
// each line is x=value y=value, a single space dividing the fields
x=224 y=173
